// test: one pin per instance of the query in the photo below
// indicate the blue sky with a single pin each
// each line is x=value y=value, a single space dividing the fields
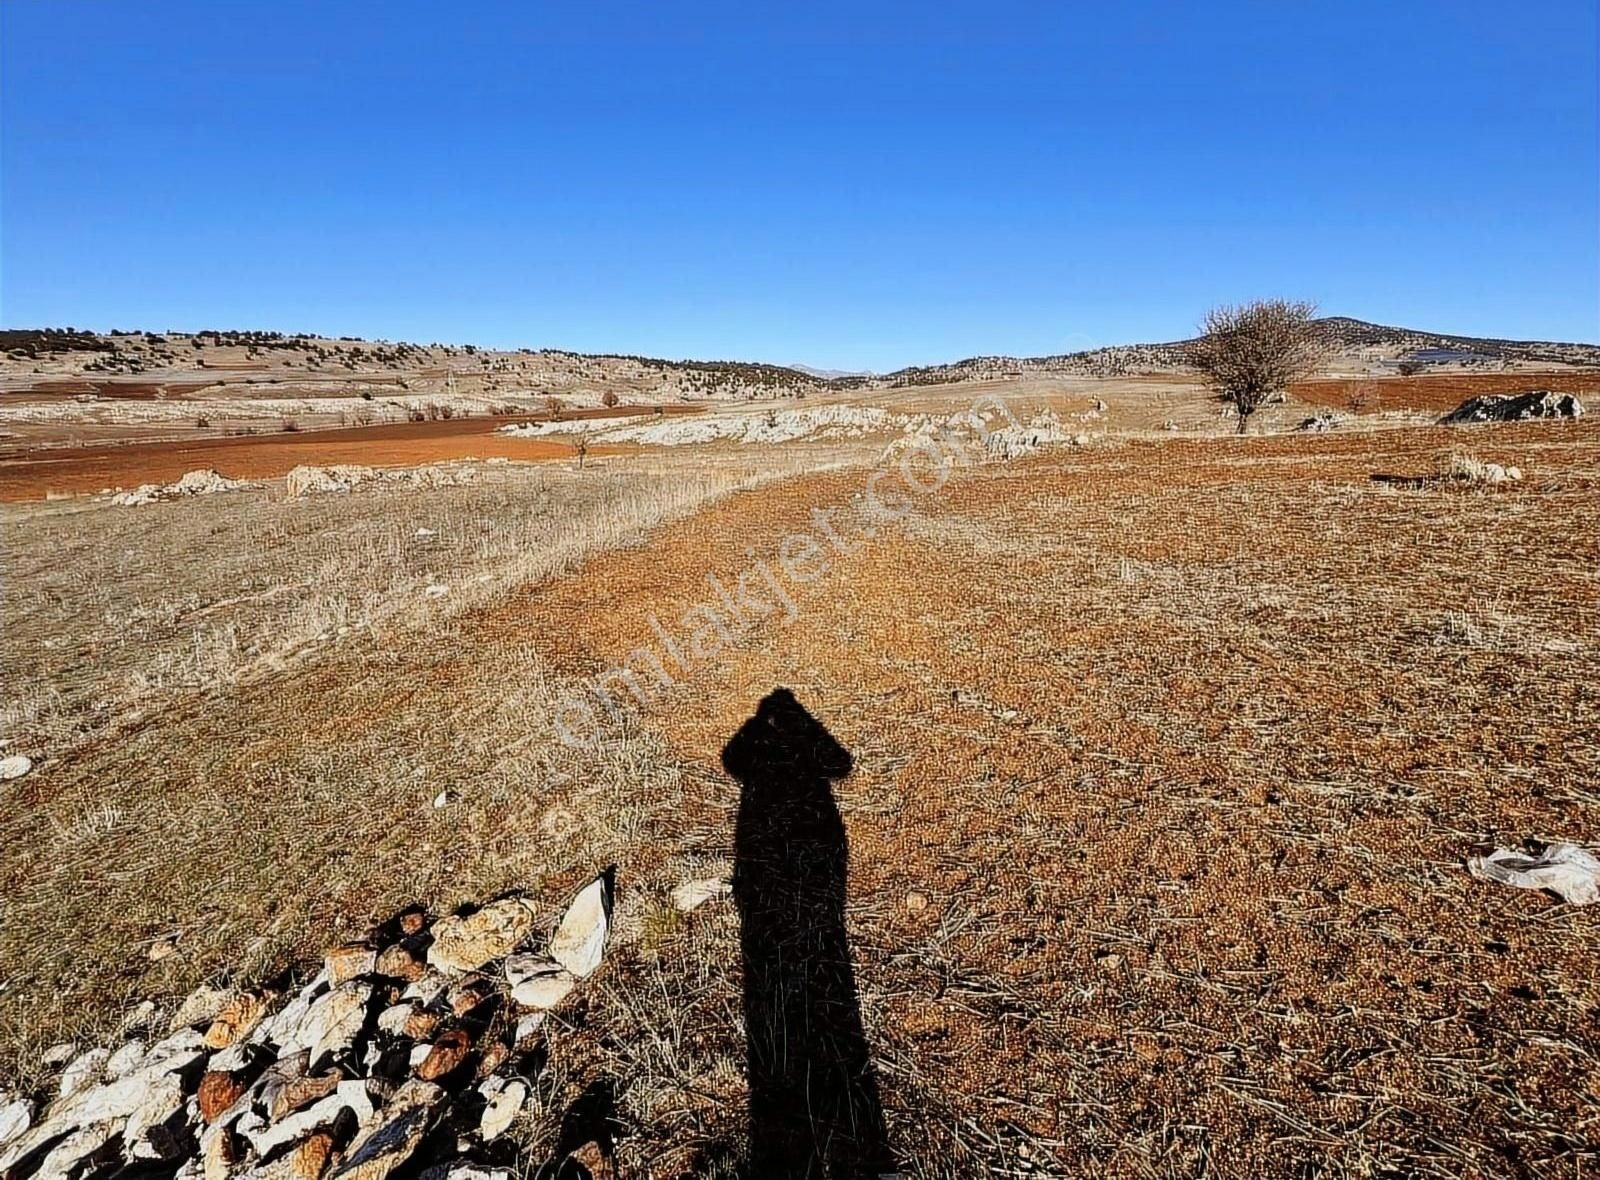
x=853 y=185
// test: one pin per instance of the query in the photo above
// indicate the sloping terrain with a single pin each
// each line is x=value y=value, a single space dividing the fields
x=1166 y=759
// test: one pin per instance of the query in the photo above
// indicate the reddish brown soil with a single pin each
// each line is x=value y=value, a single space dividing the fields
x=1440 y=392
x=69 y=470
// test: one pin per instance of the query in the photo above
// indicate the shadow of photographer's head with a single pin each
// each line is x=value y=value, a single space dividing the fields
x=782 y=738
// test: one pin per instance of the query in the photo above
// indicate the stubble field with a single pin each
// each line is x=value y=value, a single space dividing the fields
x=1166 y=759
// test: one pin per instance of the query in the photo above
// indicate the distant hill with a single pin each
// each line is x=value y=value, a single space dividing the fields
x=302 y=360
x=831 y=374
x=1353 y=341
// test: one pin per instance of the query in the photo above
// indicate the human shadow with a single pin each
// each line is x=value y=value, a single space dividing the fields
x=814 y=1107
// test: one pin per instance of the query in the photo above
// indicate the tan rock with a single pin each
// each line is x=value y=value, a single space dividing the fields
x=237 y=1020
x=202 y=1006
x=310 y=1159
x=349 y=961
x=446 y=1055
x=465 y=944
x=595 y=1160
x=492 y=1056
x=294 y=1093
x=334 y=1021
x=413 y=921
x=399 y=963
x=218 y=1154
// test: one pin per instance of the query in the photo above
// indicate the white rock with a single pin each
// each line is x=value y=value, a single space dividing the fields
x=174 y=1053
x=426 y=989
x=466 y=1169
x=58 y=1054
x=15 y=1117
x=15 y=766
x=693 y=894
x=527 y=1027
x=65 y=1157
x=307 y=480
x=436 y=590
x=138 y=1017
x=162 y=1098
x=419 y=1054
x=425 y=533
x=540 y=987
x=503 y=1098
x=580 y=940
x=125 y=1059
x=84 y=1072
x=292 y=1127
x=392 y=1020
x=441 y=799
x=334 y=1022
x=234 y=1058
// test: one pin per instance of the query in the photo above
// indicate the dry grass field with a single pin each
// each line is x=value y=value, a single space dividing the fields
x=1167 y=756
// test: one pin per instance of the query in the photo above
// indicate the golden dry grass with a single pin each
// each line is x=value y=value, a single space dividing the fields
x=1183 y=743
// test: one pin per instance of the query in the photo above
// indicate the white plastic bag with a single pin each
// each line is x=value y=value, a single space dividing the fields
x=1565 y=869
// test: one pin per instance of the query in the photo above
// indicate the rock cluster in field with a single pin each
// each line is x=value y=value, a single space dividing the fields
x=416 y=1049
x=201 y=482
x=1515 y=407
x=306 y=480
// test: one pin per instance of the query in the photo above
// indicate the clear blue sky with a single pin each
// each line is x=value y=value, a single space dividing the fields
x=854 y=185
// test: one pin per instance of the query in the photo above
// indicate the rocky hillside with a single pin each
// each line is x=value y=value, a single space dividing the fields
x=1354 y=344
x=109 y=362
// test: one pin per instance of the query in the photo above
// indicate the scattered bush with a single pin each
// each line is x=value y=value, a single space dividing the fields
x=1251 y=352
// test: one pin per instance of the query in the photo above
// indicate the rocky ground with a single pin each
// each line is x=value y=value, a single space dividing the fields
x=415 y=1049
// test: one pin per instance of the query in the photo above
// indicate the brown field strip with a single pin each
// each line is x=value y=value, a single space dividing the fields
x=1440 y=392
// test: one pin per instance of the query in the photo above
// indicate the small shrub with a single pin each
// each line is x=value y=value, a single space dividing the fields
x=290 y=426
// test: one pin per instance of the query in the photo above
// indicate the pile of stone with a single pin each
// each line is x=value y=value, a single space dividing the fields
x=307 y=480
x=415 y=1049
x=201 y=482
x=1321 y=422
x=1515 y=407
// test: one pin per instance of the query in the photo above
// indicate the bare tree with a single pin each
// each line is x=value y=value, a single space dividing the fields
x=1251 y=352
